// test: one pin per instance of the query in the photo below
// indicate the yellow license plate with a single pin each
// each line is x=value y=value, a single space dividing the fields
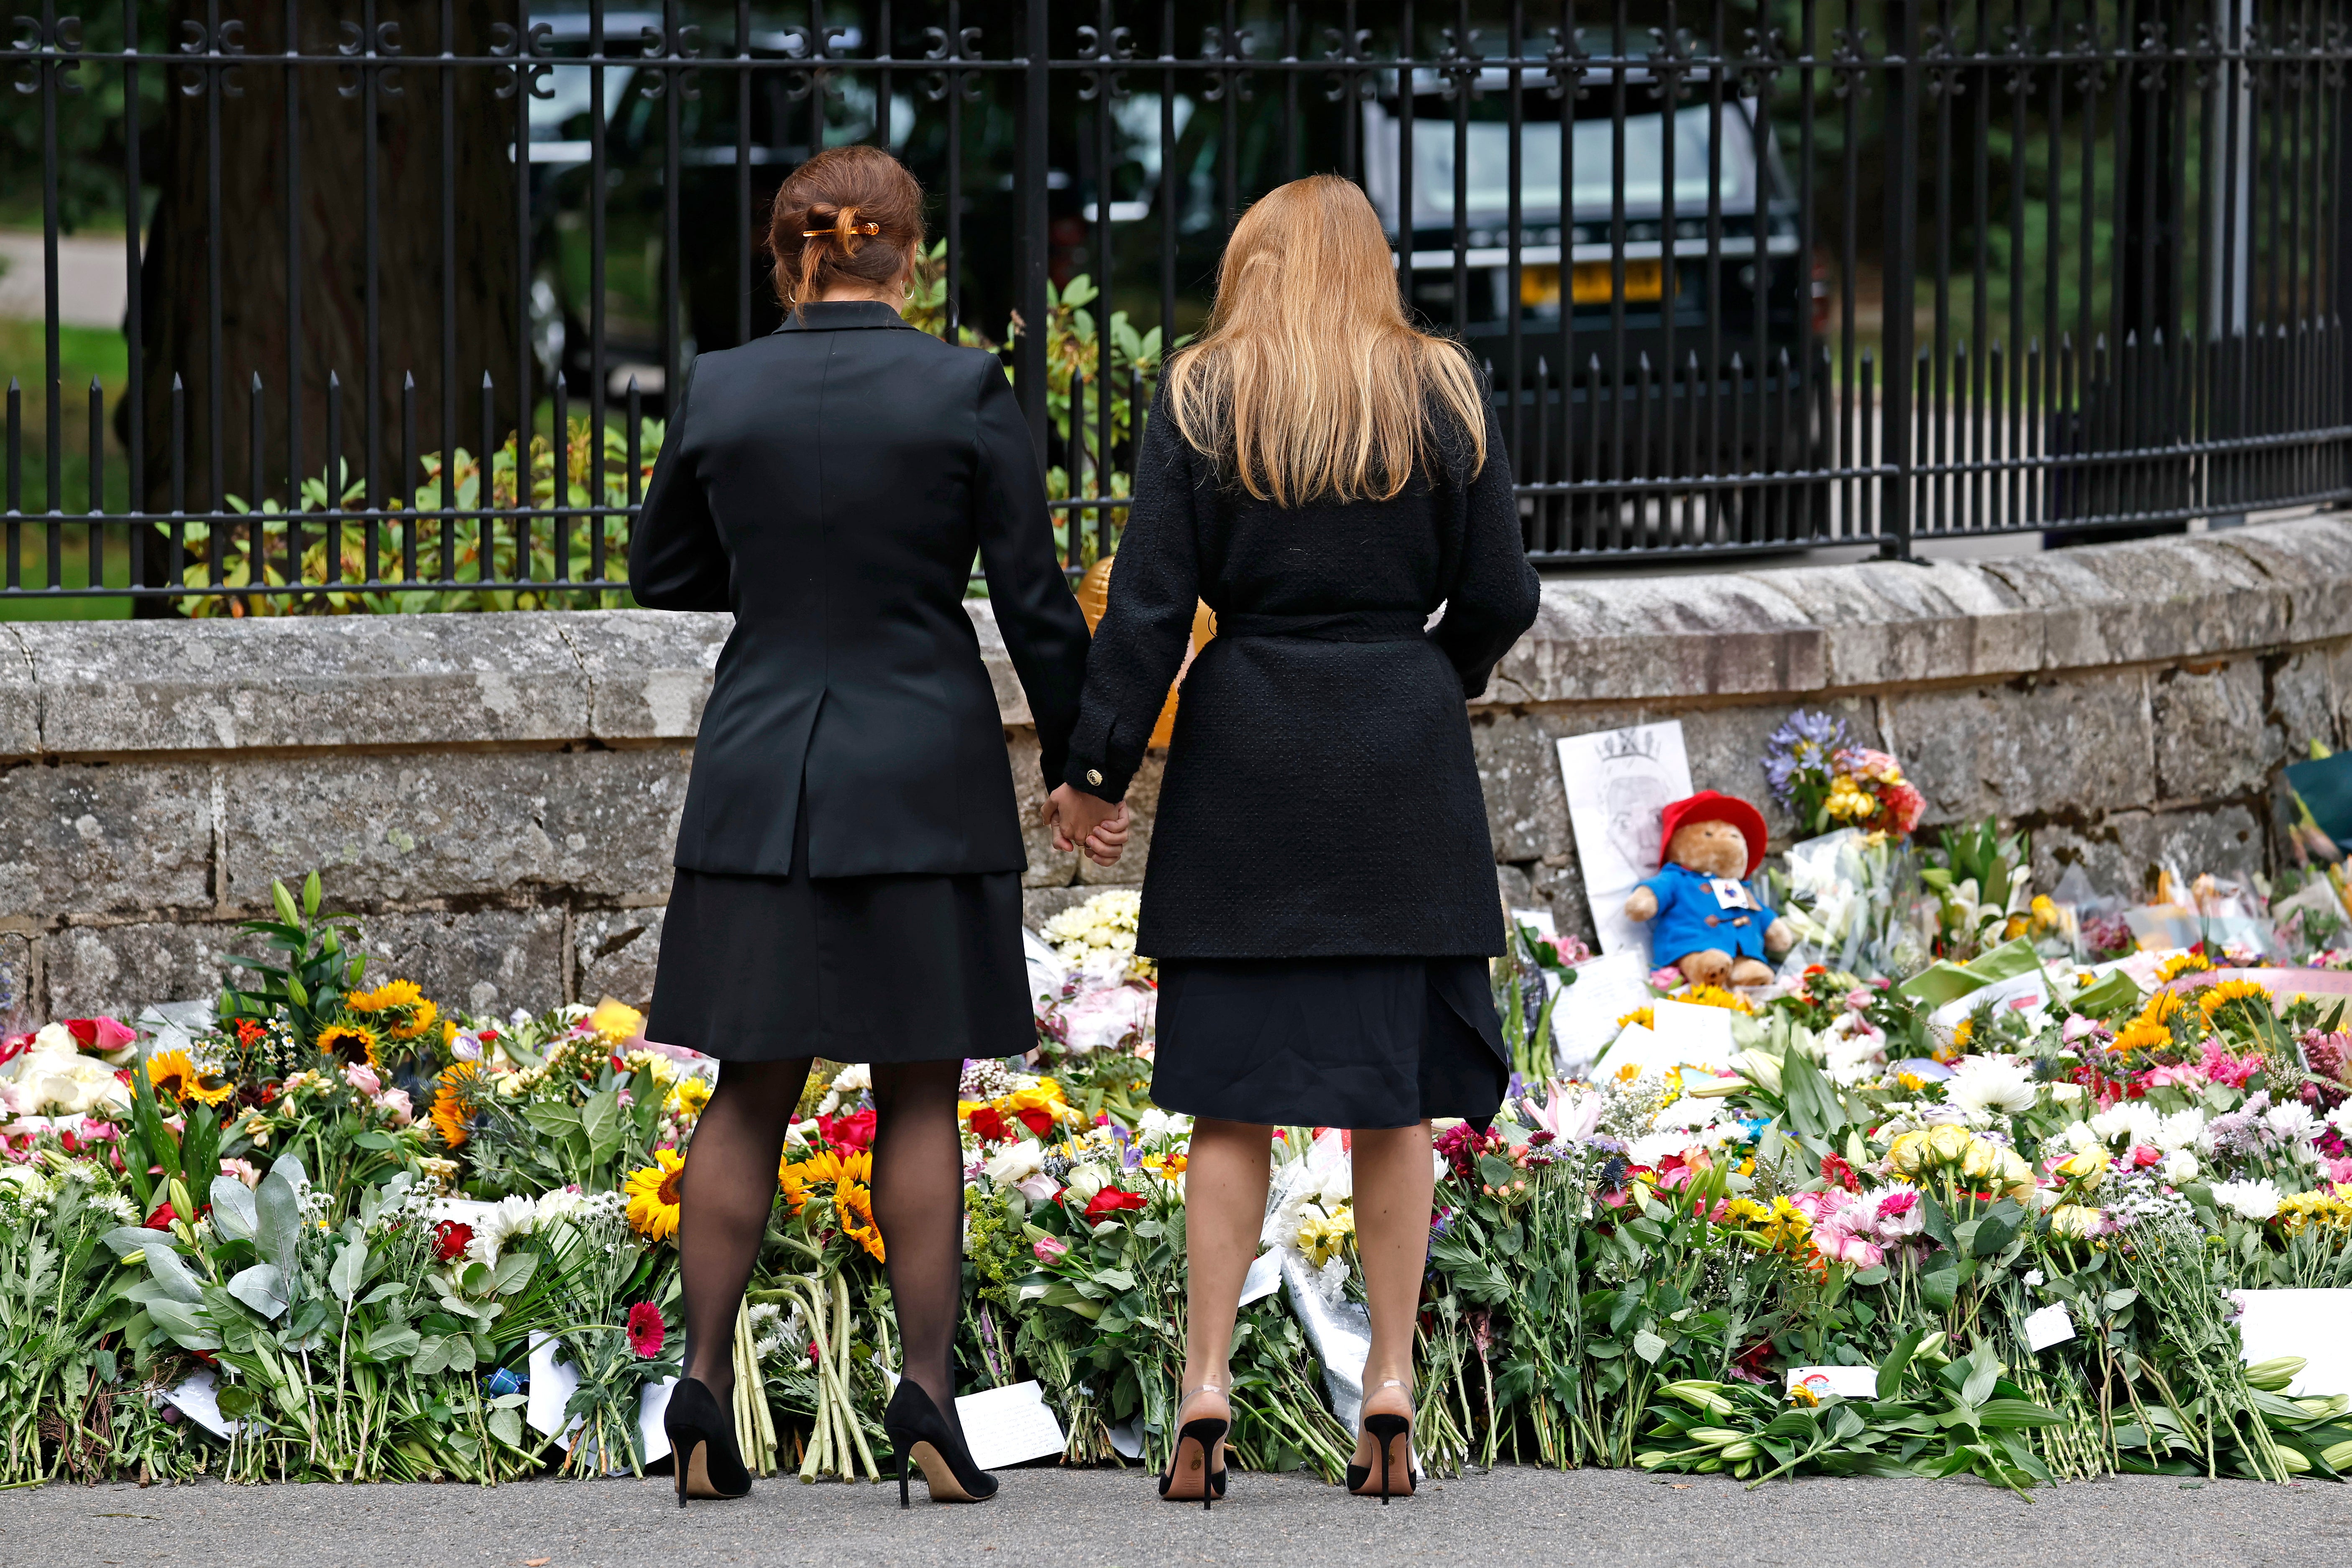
x=1593 y=283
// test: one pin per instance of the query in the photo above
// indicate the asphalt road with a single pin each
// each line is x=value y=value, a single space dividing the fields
x=1044 y=1518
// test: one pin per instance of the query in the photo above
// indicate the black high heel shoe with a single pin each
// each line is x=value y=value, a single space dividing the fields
x=1396 y=1463
x=920 y=1436
x=702 y=1444
x=1183 y=1483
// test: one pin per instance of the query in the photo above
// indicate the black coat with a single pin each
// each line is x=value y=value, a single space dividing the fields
x=1320 y=797
x=829 y=483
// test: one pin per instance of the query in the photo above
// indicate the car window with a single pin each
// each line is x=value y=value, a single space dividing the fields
x=1595 y=168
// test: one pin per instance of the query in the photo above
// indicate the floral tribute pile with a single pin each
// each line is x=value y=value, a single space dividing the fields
x=1976 y=1189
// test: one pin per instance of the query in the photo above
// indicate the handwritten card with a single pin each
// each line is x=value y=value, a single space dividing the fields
x=1006 y=1425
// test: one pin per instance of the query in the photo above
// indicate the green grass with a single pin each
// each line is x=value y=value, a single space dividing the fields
x=84 y=353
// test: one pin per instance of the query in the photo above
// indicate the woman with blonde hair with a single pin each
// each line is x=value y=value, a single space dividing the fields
x=1320 y=895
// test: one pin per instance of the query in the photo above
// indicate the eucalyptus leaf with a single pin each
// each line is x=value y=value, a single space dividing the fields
x=171 y=1272
x=261 y=1287
x=234 y=1214
x=513 y=1272
x=124 y=1241
x=349 y=1270
x=185 y=1324
x=278 y=1222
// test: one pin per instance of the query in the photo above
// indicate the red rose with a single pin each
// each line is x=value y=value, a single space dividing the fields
x=99 y=1034
x=15 y=1045
x=988 y=1126
x=162 y=1218
x=1037 y=1118
x=1109 y=1201
x=449 y=1239
x=852 y=1132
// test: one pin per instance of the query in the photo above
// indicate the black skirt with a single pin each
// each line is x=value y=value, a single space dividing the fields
x=1328 y=1042
x=906 y=968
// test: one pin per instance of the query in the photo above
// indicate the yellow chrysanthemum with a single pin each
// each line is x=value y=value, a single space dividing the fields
x=348 y=1041
x=173 y=1073
x=2213 y=998
x=2181 y=963
x=1645 y=1016
x=654 y=1195
x=451 y=1117
x=692 y=1093
x=613 y=1022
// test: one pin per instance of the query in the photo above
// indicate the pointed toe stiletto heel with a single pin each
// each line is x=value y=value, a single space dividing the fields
x=1393 y=1433
x=1204 y=1475
x=922 y=1439
x=702 y=1444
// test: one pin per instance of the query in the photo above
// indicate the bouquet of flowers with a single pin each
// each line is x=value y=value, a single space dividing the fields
x=1827 y=782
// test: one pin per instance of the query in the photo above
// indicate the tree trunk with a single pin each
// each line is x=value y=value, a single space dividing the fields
x=440 y=173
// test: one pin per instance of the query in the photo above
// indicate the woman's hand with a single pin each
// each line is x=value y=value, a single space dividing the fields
x=1080 y=819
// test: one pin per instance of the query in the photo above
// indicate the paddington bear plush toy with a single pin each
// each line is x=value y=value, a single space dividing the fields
x=1708 y=925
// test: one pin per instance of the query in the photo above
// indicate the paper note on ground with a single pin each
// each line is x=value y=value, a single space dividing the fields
x=1264 y=1279
x=2308 y=1323
x=1584 y=1019
x=1846 y=1381
x=2054 y=1325
x=199 y=1401
x=1006 y=1425
x=1691 y=1036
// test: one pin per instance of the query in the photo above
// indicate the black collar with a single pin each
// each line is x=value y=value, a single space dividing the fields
x=837 y=315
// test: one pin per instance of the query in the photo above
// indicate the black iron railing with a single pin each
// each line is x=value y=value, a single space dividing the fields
x=403 y=282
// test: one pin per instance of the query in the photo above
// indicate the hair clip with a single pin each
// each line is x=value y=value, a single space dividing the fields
x=847 y=229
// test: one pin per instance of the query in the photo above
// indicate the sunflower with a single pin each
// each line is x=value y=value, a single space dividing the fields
x=173 y=1073
x=347 y=1040
x=452 y=1118
x=853 y=1204
x=692 y=1093
x=654 y=1195
x=2142 y=1035
x=831 y=1168
x=407 y=1012
x=2162 y=1007
x=1645 y=1016
x=2181 y=963
x=2216 y=997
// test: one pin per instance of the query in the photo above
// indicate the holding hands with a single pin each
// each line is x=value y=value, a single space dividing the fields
x=1080 y=820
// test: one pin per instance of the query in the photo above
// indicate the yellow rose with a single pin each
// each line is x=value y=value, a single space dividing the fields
x=2076 y=1222
x=1981 y=1161
x=1949 y=1142
x=1909 y=1153
x=2089 y=1167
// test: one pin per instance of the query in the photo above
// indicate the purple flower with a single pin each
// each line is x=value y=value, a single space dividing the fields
x=1802 y=744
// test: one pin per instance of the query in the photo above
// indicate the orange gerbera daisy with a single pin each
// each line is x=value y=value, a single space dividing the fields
x=452 y=1117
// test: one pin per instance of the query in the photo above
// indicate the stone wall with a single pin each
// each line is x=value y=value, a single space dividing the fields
x=497 y=794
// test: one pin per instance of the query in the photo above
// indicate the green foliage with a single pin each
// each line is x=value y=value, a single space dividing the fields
x=322 y=963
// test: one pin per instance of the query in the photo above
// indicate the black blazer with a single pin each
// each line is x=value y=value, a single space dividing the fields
x=829 y=483
x=1321 y=798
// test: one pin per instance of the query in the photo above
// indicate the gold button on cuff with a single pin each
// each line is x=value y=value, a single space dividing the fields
x=1094 y=775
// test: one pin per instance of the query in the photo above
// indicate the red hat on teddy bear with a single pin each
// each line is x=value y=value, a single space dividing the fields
x=1709 y=805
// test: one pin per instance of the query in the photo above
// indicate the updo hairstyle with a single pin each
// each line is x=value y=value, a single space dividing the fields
x=850 y=215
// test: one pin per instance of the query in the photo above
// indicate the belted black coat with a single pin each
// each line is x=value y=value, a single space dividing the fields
x=1320 y=797
x=829 y=483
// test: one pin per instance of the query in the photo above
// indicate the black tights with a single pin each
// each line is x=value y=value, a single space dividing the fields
x=730 y=1189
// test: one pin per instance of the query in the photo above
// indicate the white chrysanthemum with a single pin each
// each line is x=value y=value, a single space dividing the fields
x=501 y=1222
x=1157 y=1123
x=2292 y=1122
x=2252 y=1200
x=2127 y=1122
x=2180 y=1131
x=1989 y=1084
x=2079 y=1136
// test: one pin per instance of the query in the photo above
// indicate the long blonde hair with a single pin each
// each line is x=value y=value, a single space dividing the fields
x=1310 y=380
